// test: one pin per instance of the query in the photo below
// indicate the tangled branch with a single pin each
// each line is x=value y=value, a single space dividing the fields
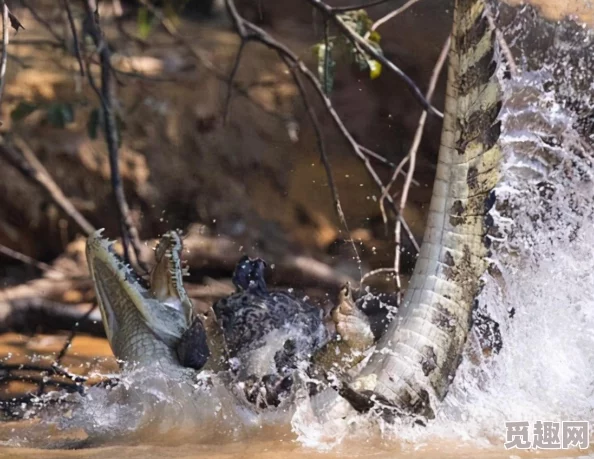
x=106 y=96
x=31 y=167
x=250 y=32
x=4 y=57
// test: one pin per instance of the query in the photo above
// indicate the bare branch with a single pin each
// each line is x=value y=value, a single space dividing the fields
x=169 y=27
x=106 y=96
x=397 y=171
x=232 y=79
x=384 y=161
x=41 y=315
x=31 y=167
x=42 y=380
x=66 y=346
x=43 y=22
x=377 y=271
x=325 y=160
x=5 y=39
x=345 y=9
x=36 y=42
x=74 y=37
x=7 y=251
x=255 y=33
x=393 y=14
x=53 y=370
x=72 y=334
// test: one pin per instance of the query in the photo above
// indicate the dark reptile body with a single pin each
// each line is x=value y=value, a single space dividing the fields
x=248 y=316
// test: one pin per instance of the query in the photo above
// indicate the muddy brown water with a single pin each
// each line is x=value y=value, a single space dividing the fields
x=89 y=354
x=92 y=354
x=273 y=449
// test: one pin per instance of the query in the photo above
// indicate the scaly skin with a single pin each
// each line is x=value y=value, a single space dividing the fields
x=417 y=357
x=267 y=335
x=355 y=336
x=144 y=326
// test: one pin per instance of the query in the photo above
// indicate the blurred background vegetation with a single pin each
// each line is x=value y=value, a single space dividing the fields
x=256 y=178
x=236 y=171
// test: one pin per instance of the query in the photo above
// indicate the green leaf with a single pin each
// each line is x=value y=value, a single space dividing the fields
x=120 y=126
x=375 y=69
x=94 y=123
x=375 y=37
x=60 y=114
x=144 y=23
x=22 y=110
x=326 y=65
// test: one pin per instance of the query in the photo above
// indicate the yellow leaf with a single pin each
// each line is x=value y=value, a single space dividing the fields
x=375 y=69
x=375 y=36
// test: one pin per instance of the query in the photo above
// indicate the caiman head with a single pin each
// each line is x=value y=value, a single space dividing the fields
x=249 y=275
x=351 y=323
x=147 y=324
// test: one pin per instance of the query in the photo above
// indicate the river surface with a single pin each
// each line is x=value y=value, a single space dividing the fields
x=545 y=371
x=547 y=374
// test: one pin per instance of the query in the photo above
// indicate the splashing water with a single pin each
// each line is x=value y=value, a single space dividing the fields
x=540 y=286
x=545 y=370
x=542 y=274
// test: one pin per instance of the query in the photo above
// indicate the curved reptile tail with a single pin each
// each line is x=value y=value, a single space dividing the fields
x=417 y=357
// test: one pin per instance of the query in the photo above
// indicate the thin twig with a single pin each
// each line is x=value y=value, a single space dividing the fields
x=381 y=159
x=106 y=96
x=19 y=61
x=291 y=65
x=326 y=56
x=325 y=160
x=36 y=42
x=345 y=9
x=170 y=29
x=43 y=22
x=397 y=171
x=354 y=37
x=509 y=57
x=5 y=39
x=42 y=380
x=375 y=272
x=71 y=336
x=74 y=38
x=256 y=33
x=7 y=251
x=56 y=364
x=55 y=371
x=392 y=14
x=39 y=314
x=31 y=167
x=232 y=79
x=386 y=193
x=412 y=155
